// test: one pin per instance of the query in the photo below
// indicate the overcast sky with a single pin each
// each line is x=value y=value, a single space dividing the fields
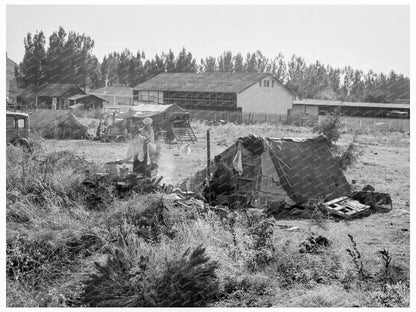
x=364 y=37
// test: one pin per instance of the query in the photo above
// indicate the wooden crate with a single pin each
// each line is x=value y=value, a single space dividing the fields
x=345 y=207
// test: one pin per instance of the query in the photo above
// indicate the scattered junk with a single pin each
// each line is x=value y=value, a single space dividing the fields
x=360 y=203
x=125 y=180
x=314 y=244
x=345 y=207
x=380 y=202
x=169 y=120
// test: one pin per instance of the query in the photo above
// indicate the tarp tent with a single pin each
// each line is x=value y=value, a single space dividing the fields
x=57 y=124
x=293 y=170
x=163 y=116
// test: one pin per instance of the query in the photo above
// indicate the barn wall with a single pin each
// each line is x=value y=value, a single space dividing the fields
x=260 y=99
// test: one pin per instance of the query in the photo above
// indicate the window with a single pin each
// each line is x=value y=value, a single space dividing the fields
x=260 y=83
x=20 y=123
x=272 y=83
x=268 y=83
x=10 y=122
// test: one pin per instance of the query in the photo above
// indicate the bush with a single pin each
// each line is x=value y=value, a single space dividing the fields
x=126 y=281
x=330 y=127
x=189 y=282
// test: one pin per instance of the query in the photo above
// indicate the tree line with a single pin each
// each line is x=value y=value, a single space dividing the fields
x=69 y=59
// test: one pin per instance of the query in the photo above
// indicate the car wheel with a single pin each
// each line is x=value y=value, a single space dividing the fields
x=24 y=145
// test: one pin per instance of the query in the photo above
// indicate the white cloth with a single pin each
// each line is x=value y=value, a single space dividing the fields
x=136 y=148
x=237 y=161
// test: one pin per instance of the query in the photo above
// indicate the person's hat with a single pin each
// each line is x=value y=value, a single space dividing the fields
x=217 y=158
x=147 y=121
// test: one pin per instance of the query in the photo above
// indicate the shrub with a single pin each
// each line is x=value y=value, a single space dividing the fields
x=126 y=281
x=330 y=127
x=349 y=156
x=188 y=282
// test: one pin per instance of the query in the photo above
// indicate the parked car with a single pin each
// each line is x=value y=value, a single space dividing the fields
x=397 y=114
x=17 y=130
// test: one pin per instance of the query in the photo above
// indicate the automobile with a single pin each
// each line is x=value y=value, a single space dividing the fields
x=17 y=130
x=397 y=114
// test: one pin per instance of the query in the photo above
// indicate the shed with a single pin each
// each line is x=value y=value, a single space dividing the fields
x=89 y=101
x=164 y=116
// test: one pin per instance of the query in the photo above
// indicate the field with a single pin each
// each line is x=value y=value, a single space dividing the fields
x=268 y=272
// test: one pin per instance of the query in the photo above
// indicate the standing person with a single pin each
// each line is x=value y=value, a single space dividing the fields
x=142 y=149
x=221 y=182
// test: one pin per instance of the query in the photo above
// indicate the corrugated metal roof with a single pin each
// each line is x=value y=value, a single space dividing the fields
x=151 y=107
x=201 y=82
x=350 y=104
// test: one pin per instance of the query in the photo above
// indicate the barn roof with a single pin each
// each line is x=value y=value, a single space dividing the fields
x=350 y=104
x=202 y=82
x=55 y=89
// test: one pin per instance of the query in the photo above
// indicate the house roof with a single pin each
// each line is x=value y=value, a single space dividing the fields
x=28 y=92
x=202 y=82
x=114 y=90
x=55 y=89
x=10 y=62
x=350 y=104
x=81 y=96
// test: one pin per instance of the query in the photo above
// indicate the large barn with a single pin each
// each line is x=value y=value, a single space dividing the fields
x=246 y=92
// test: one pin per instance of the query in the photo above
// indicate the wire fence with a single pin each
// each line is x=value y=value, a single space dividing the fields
x=303 y=120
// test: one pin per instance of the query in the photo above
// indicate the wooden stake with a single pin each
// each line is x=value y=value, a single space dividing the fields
x=208 y=155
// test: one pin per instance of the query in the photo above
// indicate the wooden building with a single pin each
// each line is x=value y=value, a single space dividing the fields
x=11 y=83
x=246 y=92
x=87 y=101
x=115 y=95
x=359 y=109
x=48 y=96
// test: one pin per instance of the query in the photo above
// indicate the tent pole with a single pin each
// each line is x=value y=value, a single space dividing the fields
x=208 y=155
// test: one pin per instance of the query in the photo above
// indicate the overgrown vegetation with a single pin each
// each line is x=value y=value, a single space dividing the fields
x=143 y=251
x=331 y=129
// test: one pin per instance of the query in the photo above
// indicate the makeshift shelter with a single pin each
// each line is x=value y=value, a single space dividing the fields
x=165 y=117
x=57 y=124
x=296 y=171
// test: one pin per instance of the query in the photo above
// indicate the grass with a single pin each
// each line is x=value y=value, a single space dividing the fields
x=61 y=253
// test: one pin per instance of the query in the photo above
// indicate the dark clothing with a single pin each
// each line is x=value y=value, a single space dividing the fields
x=222 y=177
x=221 y=183
x=141 y=166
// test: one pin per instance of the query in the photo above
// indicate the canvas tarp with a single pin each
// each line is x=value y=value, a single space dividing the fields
x=292 y=170
x=57 y=124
